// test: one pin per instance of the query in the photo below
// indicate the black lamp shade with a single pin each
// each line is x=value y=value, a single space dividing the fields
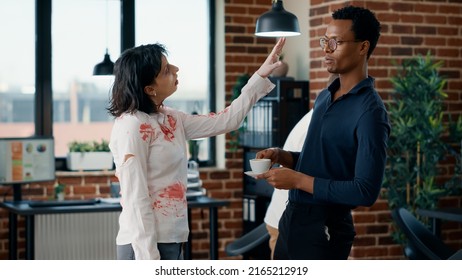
x=106 y=67
x=277 y=23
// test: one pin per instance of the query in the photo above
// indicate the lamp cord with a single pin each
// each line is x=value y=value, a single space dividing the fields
x=107 y=26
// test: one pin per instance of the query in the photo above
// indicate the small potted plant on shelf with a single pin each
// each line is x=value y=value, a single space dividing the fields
x=234 y=142
x=89 y=155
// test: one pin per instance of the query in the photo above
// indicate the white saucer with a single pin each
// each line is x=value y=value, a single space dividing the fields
x=251 y=173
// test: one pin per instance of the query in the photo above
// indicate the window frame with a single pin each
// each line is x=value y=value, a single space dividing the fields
x=43 y=69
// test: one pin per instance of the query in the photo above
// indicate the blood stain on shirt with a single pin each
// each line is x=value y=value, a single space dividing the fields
x=170 y=199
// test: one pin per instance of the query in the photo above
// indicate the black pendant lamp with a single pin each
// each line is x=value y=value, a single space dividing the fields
x=105 y=67
x=277 y=22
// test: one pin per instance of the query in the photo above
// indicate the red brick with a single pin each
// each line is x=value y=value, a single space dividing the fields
x=450 y=9
x=212 y=185
x=413 y=18
x=364 y=241
x=219 y=175
x=71 y=180
x=435 y=19
x=96 y=180
x=401 y=7
x=447 y=31
x=84 y=190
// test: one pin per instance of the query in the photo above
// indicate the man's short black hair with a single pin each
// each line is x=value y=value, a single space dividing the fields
x=365 y=25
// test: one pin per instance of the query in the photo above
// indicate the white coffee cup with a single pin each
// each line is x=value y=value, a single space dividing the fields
x=260 y=165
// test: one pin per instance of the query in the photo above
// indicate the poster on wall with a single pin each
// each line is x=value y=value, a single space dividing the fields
x=25 y=160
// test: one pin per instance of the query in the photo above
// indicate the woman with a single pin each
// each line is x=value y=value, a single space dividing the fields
x=148 y=142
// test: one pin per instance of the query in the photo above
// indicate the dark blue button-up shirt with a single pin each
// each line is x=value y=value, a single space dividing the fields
x=345 y=150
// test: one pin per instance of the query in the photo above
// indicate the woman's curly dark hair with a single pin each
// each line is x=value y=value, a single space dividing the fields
x=365 y=25
x=136 y=68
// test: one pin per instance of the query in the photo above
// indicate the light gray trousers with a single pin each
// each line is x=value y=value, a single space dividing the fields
x=168 y=251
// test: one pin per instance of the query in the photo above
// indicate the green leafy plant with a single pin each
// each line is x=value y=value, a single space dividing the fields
x=89 y=146
x=237 y=88
x=59 y=190
x=420 y=138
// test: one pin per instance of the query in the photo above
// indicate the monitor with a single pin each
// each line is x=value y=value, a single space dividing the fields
x=26 y=160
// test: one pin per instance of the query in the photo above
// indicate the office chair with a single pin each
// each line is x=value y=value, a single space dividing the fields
x=423 y=244
x=248 y=241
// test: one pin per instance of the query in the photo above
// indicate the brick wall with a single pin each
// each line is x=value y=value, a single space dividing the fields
x=409 y=28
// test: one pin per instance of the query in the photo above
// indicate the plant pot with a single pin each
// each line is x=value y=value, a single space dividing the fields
x=89 y=161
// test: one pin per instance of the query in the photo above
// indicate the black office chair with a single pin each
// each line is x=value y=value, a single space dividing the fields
x=248 y=241
x=423 y=244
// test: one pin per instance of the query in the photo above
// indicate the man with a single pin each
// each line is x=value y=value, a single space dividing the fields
x=294 y=142
x=342 y=162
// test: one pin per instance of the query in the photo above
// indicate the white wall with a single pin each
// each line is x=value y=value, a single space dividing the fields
x=296 y=50
x=220 y=77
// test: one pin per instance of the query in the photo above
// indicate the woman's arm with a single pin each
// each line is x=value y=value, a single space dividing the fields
x=132 y=146
x=199 y=126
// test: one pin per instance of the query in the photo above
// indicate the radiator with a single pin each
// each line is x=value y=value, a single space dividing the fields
x=76 y=236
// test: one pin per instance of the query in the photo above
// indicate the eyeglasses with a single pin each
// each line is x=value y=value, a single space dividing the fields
x=332 y=43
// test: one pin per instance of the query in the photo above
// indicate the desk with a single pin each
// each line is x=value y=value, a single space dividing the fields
x=449 y=214
x=212 y=204
x=16 y=208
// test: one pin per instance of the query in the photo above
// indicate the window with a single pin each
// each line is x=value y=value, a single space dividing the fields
x=80 y=33
x=17 y=76
x=183 y=26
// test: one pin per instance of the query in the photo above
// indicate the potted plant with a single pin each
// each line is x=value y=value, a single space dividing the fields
x=420 y=139
x=89 y=155
x=234 y=141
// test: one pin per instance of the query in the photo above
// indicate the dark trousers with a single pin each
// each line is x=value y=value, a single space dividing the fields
x=314 y=232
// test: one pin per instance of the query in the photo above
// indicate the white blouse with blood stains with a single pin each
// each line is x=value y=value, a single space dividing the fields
x=150 y=155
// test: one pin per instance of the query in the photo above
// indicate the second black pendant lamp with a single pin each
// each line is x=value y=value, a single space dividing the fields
x=105 y=67
x=277 y=23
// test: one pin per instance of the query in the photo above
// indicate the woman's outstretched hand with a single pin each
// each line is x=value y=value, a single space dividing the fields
x=272 y=61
